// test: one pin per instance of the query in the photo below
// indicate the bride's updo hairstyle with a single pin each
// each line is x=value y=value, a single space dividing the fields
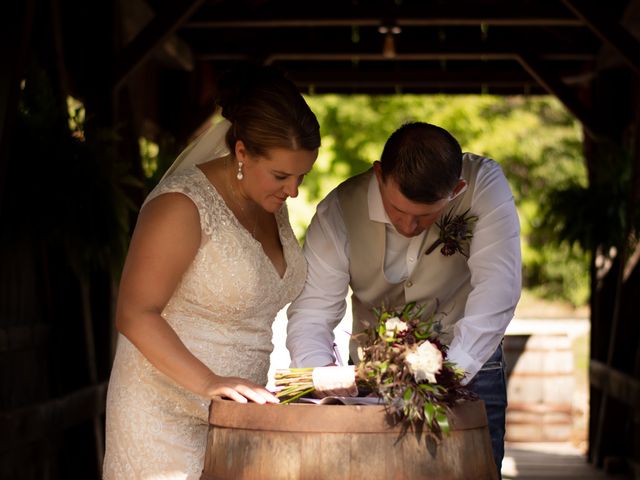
x=266 y=111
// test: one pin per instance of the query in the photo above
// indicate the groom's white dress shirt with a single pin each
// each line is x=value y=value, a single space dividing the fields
x=494 y=264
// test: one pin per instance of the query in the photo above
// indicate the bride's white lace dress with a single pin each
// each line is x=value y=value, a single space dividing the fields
x=222 y=310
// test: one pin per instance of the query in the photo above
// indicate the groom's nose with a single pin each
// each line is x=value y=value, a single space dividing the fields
x=408 y=225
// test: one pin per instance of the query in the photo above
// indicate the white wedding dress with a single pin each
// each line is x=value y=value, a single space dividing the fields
x=222 y=310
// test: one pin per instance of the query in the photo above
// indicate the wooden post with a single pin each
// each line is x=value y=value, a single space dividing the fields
x=613 y=106
x=16 y=20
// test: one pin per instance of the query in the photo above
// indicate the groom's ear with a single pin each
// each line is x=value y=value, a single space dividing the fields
x=377 y=169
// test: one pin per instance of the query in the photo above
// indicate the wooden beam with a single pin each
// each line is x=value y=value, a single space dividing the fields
x=16 y=23
x=466 y=13
x=174 y=50
x=616 y=384
x=370 y=56
x=413 y=57
x=162 y=25
x=21 y=337
x=609 y=32
x=412 y=42
x=36 y=422
x=466 y=79
x=556 y=87
x=463 y=76
x=631 y=263
x=217 y=22
x=397 y=89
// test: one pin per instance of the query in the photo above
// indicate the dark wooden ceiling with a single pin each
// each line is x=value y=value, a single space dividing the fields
x=441 y=46
x=468 y=46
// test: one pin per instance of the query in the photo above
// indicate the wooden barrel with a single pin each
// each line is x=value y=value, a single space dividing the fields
x=340 y=442
x=540 y=387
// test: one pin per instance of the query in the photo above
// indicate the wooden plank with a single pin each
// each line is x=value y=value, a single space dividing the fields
x=611 y=33
x=617 y=384
x=22 y=337
x=16 y=21
x=539 y=461
x=163 y=24
x=285 y=14
x=28 y=424
x=556 y=87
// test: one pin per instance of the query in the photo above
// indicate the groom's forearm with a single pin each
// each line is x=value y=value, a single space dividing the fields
x=309 y=338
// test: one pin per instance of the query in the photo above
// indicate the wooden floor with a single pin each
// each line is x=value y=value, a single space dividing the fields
x=547 y=461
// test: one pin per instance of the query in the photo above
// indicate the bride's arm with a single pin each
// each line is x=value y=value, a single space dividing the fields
x=163 y=246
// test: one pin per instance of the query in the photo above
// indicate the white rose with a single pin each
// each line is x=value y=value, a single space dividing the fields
x=394 y=325
x=425 y=361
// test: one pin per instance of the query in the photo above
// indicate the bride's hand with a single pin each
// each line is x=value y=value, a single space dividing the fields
x=239 y=390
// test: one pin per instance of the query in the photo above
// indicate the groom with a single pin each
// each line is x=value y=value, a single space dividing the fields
x=376 y=233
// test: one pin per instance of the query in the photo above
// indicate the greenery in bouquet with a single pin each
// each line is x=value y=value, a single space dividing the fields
x=403 y=361
x=293 y=383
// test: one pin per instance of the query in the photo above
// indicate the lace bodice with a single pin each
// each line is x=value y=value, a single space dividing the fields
x=228 y=298
x=222 y=310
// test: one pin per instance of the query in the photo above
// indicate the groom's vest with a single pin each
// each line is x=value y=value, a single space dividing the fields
x=436 y=278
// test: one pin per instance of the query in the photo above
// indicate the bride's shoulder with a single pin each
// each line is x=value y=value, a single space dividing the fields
x=190 y=181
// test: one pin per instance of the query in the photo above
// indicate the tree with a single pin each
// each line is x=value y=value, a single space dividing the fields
x=535 y=140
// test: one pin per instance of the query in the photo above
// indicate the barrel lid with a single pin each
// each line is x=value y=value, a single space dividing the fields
x=327 y=418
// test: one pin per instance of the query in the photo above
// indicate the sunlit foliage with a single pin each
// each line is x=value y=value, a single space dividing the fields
x=535 y=140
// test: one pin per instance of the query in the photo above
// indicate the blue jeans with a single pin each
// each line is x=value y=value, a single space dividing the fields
x=490 y=385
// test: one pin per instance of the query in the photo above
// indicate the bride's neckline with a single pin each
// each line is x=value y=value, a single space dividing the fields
x=216 y=189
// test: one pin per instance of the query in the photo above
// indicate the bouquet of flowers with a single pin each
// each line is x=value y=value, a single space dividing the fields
x=403 y=362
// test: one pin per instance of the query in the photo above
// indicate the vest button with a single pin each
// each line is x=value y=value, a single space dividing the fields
x=409 y=284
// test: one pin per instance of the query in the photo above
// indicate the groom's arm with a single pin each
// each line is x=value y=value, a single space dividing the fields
x=322 y=302
x=495 y=265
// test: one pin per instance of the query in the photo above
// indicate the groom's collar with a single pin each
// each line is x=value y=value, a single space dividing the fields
x=377 y=212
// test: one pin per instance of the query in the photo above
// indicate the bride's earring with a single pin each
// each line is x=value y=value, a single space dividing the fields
x=240 y=175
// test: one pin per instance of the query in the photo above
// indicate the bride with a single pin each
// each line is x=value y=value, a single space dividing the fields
x=212 y=260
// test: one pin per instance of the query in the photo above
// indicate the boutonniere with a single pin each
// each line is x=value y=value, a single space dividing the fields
x=455 y=233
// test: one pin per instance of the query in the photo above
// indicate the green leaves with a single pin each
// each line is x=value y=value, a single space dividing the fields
x=385 y=369
x=443 y=422
x=536 y=141
x=436 y=417
x=429 y=412
x=408 y=393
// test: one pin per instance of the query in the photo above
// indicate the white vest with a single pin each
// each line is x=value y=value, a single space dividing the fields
x=437 y=281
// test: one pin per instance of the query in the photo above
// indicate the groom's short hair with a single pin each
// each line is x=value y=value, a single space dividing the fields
x=424 y=160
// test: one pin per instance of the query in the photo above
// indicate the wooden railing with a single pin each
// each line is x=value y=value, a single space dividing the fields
x=39 y=421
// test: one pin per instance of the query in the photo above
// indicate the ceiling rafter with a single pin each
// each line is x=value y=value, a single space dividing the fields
x=468 y=12
x=409 y=48
x=611 y=33
x=556 y=87
x=157 y=30
x=418 y=80
x=466 y=46
x=375 y=21
x=452 y=56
